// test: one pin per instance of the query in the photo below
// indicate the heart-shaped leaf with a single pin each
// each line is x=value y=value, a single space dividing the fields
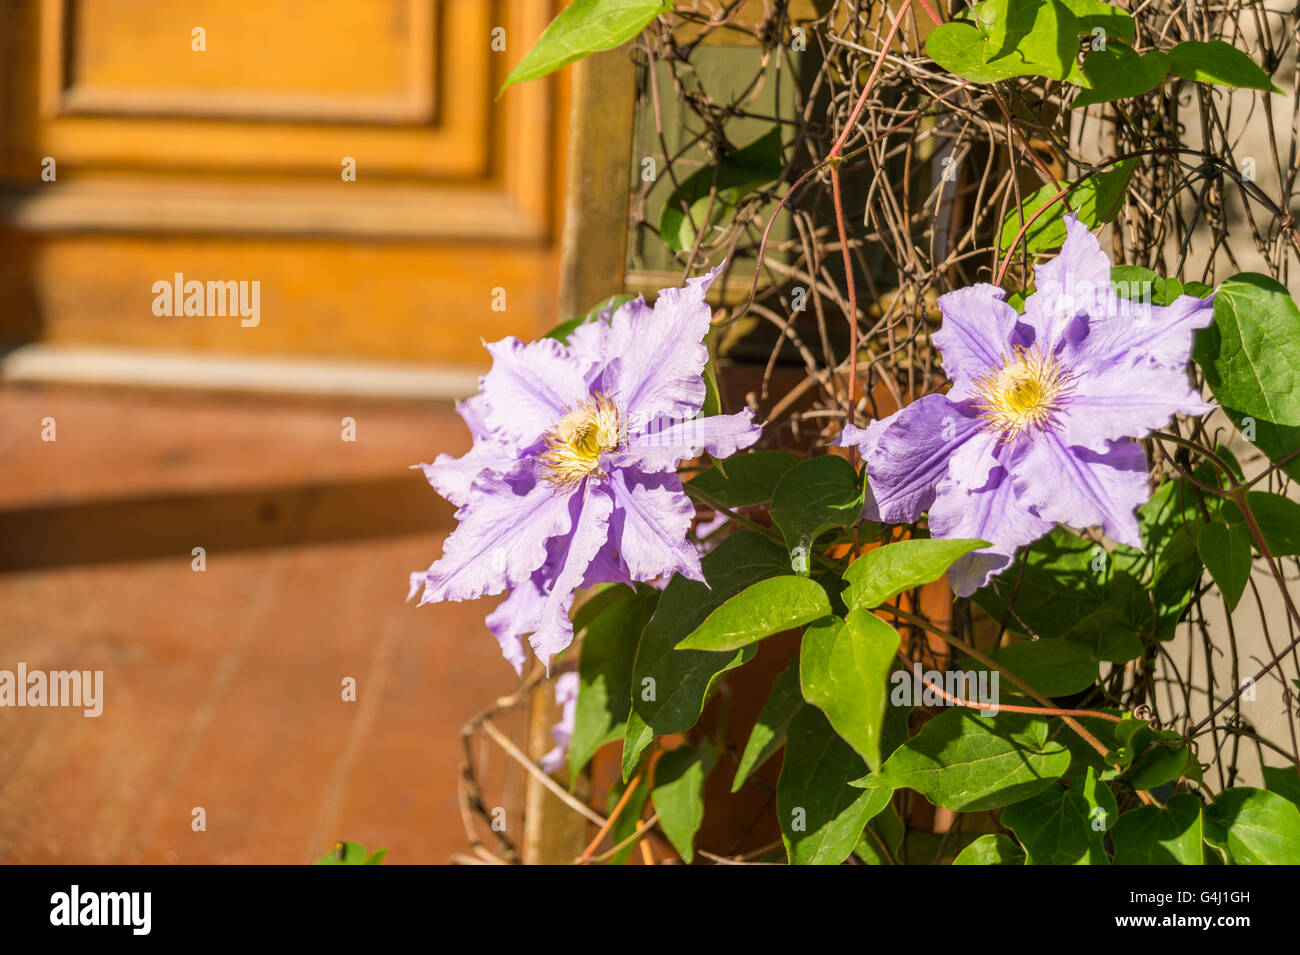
x=843 y=666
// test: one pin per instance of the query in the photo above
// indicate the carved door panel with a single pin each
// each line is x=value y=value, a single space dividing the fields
x=349 y=157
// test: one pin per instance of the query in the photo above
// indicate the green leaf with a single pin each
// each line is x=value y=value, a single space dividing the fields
x=959 y=49
x=1090 y=14
x=814 y=496
x=1160 y=835
x=1109 y=634
x=1226 y=552
x=1052 y=667
x=1119 y=73
x=352 y=853
x=602 y=597
x=883 y=573
x=1042 y=34
x=1096 y=201
x=1278 y=518
x=738 y=174
x=1251 y=360
x=963 y=761
x=1063 y=579
x=1046 y=39
x=881 y=838
x=991 y=849
x=821 y=815
x=768 y=734
x=712 y=398
x=669 y=686
x=1172 y=513
x=1155 y=757
x=582 y=28
x=1138 y=284
x=1254 y=827
x=1282 y=780
x=562 y=331
x=1009 y=38
x=626 y=824
x=760 y=610
x=1163 y=761
x=1070 y=586
x=678 y=794
x=1171 y=566
x=1102 y=808
x=749 y=479
x=1064 y=826
x=1219 y=63
x=1134 y=283
x=1178 y=574
x=605 y=675
x=843 y=666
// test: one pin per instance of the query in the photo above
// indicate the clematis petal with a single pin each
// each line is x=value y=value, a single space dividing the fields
x=1081 y=258
x=454 y=477
x=501 y=538
x=1141 y=333
x=514 y=618
x=652 y=516
x=1069 y=289
x=659 y=354
x=662 y=446
x=912 y=455
x=590 y=530
x=531 y=386
x=591 y=339
x=1124 y=401
x=990 y=512
x=978 y=329
x=607 y=567
x=706 y=533
x=451 y=476
x=1072 y=485
x=865 y=439
x=973 y=461
x=521 y=613
x=473 y=411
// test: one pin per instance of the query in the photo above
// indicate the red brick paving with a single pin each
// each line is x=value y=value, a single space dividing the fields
x=222 y=688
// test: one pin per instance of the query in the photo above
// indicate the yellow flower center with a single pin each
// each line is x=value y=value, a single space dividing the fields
x=1024 y=391
x=576 y=443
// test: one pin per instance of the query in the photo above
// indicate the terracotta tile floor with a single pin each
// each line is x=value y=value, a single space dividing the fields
x=222 y=688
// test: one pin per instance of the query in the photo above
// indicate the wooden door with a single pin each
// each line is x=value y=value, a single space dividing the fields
x=214 y=139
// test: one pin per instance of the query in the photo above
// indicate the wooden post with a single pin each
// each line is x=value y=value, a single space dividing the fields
x=593 y=244
x=593 y=255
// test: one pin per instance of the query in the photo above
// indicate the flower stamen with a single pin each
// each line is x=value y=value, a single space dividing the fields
x=578 y=441
x=1023 y=392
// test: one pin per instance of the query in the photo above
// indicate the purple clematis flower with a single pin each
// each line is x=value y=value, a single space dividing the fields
x=1036 y=429
x=571 y=480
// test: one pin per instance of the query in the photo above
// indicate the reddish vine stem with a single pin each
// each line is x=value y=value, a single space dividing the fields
x=1011 y=708
x=613 y=818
